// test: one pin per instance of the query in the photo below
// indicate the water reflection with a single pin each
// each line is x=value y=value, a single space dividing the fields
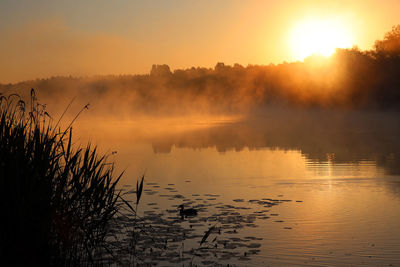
x=356 y=138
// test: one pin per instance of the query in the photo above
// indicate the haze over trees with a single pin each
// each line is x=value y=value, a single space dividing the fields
x=349 y=79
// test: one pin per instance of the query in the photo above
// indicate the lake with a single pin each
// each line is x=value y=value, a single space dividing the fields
x=312 y=188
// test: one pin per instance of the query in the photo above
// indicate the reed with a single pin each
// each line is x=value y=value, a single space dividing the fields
x=56 y=201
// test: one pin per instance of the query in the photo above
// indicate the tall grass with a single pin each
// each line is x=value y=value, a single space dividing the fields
x=56 y=201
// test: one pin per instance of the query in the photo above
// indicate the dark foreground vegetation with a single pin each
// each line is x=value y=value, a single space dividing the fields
x=349 y=79
x=56 y=201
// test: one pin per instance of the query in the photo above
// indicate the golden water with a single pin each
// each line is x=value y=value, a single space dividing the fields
x=347 y=179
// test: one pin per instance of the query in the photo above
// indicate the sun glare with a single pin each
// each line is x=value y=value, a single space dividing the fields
x=318 y=37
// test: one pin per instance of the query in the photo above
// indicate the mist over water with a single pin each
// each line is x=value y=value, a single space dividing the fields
x=349 y=80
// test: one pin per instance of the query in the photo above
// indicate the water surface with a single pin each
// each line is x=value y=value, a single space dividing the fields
x=338 y=175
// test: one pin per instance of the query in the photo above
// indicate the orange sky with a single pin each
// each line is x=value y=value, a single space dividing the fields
x=47 y=38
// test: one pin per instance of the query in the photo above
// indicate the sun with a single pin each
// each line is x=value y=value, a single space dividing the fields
x=318 y=37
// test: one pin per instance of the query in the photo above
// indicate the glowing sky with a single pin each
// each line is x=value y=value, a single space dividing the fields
x=45 y=38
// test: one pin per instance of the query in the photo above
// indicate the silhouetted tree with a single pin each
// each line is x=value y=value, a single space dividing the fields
x=390 y=45
x=350 y=78
x=160 y=70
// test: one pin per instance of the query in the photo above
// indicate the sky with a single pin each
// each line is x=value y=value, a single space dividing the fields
x=45 y=38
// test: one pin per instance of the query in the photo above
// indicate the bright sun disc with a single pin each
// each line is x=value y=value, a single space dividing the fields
x=318 y=37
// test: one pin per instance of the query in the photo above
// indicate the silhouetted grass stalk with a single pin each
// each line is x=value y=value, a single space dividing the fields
x=57 y=201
